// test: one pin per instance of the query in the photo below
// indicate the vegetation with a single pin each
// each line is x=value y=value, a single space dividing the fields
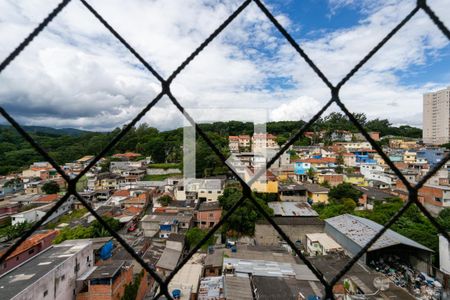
x=14 y=231
x=164 y=200
x=132 y=289
x=67 y=218
x=164 y=147
x=342 y=192
x=51 y=187
x=242 y=221
x=195 y=235
x=92 y=231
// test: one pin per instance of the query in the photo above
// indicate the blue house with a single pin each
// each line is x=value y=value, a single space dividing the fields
x=301 y=168
x=431 y=155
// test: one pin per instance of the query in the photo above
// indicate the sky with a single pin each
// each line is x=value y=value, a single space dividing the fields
x=76 y=74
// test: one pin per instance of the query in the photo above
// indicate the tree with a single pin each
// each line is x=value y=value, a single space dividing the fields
x=164 y=200
x=242 y=221
x=51 y=187
x=195 y=235
x=344 y=191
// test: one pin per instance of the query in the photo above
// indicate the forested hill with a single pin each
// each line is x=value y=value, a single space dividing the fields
x=66 y=145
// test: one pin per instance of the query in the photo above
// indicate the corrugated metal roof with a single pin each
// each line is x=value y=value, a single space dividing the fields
x=292 y=209
x=361 y=231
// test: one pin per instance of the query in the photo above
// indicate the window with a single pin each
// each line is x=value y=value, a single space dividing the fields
x=31 y=251
x=63 y=277
x=45 y=293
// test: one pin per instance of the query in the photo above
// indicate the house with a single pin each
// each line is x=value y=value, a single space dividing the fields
x=8 y=208
x=106 y=282
x=199 y=189
x=51 y=274
x=35 y=214
x=320 y=162
x=164 y=224
x=349 y=159
x=409 y=157
x=355 y=179
x=431 y=155
x=213 y=264
x=187 y=279
x=292 y=192
x=316 y=193
x=30 y=247
x=262 y=141
x=444 y=260
x=266 y=183
x=208 y=214
x=332 y=178
x=176 y=241
x=434 y=197
x=168 y=261
x=321 y=244
x=402 y=144
x=233 y=143
x=341 y=135
x=370 y=195
x=301 y=168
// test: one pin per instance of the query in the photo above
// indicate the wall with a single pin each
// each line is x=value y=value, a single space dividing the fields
x=210 y=216
x=318 y=197
x=20 y=258
x=60 y=283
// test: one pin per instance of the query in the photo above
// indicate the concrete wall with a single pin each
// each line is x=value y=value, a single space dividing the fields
x=60 y=283
x=265 y=234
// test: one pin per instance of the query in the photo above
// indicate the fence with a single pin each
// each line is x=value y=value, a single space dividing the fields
x=247 y=195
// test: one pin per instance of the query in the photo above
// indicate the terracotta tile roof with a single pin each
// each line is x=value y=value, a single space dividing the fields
x=127 y=155
x=133 y=210
x=323 y=160
x=121 y=193
x=31 y=242
x=48 y=198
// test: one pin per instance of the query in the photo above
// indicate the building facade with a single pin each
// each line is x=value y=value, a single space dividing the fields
x=436 y=117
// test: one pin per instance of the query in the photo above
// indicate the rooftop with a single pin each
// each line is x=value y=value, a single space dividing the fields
x=361 y=231
x=106 y=271
x=205 y=206
x=25 y=275
x=324 y=239
x=292 y=209
x=237 y=288
x=169 y=259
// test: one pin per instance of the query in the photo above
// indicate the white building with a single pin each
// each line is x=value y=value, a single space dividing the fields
x=51 y=274
x=367 y=169
x=444 y=255
x=321 y=244
x=436 y=117
x=35 y=214
x=202 y=189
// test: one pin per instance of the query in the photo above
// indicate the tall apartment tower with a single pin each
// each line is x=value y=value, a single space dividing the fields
x=436 y=117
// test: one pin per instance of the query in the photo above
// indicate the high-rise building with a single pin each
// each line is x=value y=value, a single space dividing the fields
x=436 y=117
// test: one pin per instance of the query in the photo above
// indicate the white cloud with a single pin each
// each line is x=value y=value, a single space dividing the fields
x=76 y=73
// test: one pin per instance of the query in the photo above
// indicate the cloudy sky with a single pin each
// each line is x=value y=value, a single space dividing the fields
x=75 y=74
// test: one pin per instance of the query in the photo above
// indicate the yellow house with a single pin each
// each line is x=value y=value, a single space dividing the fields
x=409 y=157
x=265 y=184
x=356 y=179
x=316 y=193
